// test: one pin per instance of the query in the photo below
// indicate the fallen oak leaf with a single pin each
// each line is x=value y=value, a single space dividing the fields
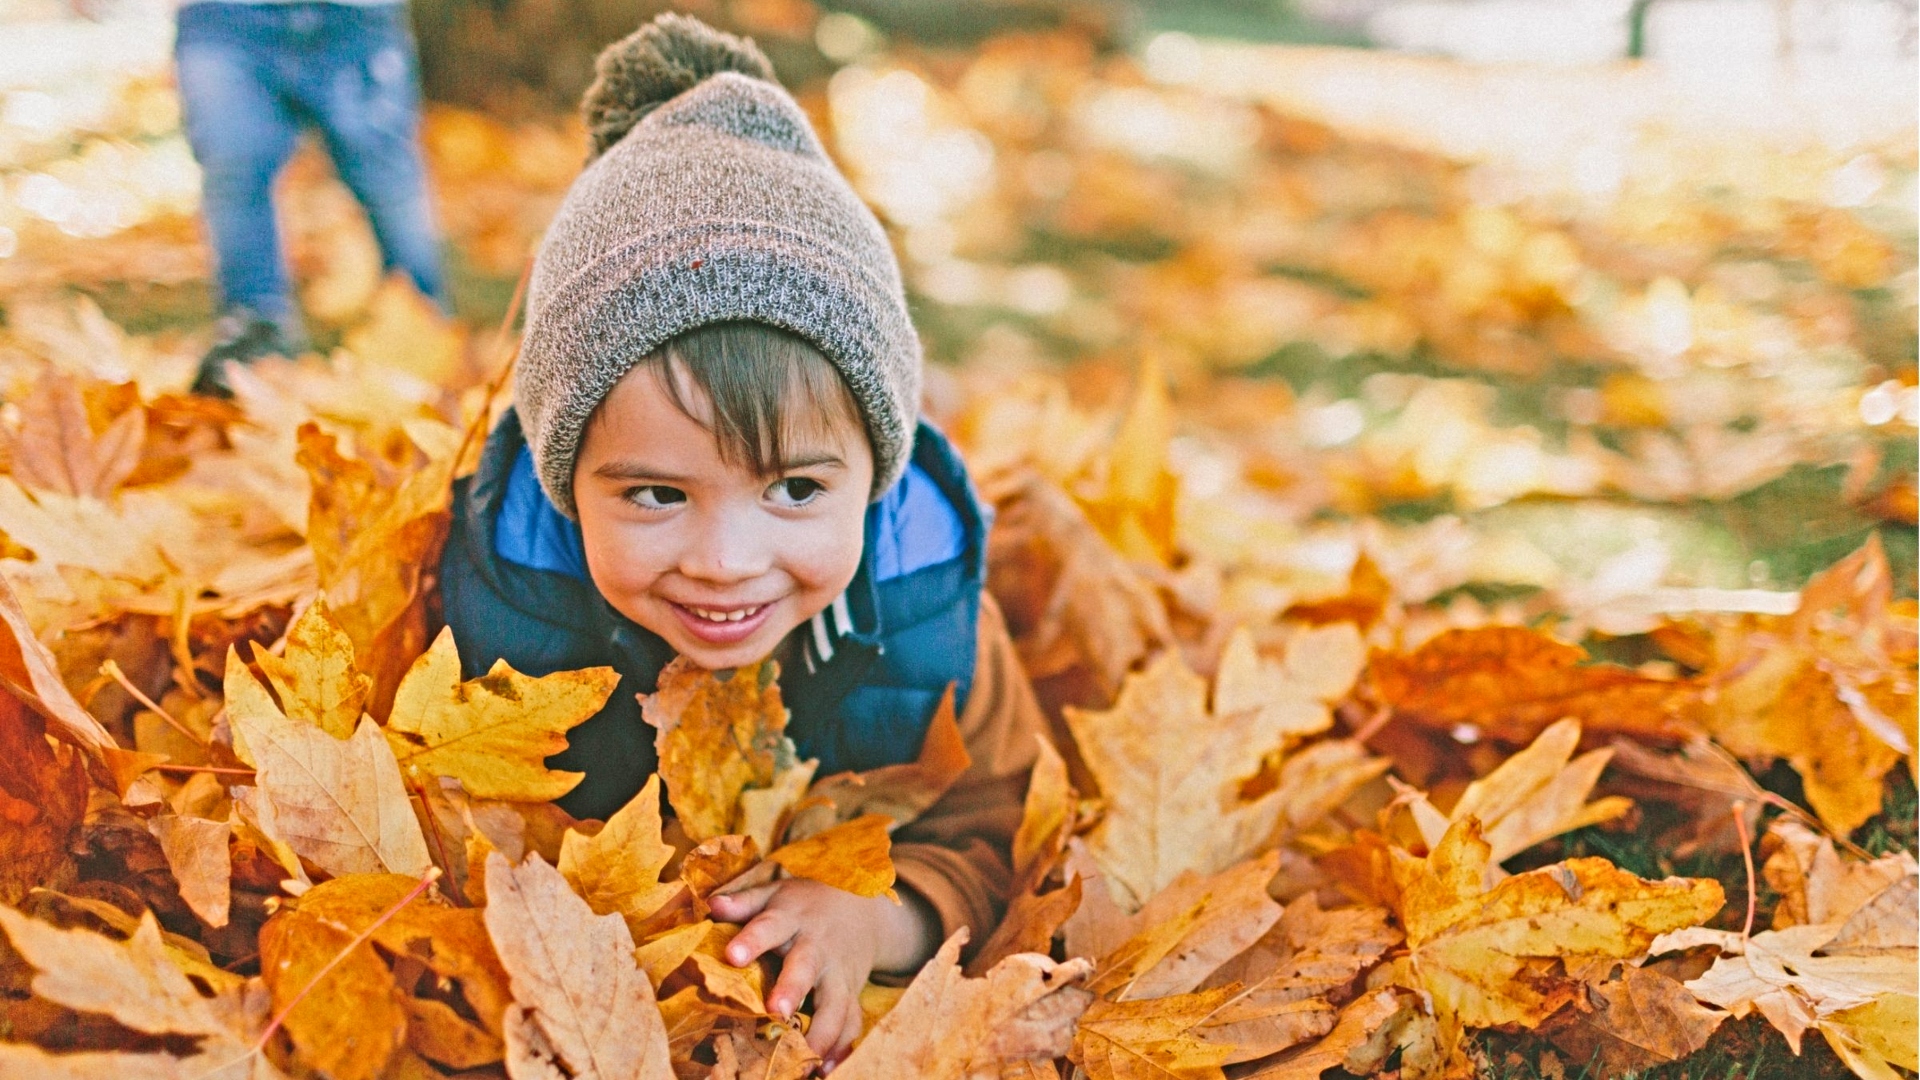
x=580 y=1002
x=717 y=734
x=949 y=1027
x=494 y=733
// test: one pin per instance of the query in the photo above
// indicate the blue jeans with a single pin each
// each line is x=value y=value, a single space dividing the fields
x=252 y=76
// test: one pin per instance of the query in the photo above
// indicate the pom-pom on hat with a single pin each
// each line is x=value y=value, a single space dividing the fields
x=706 y=198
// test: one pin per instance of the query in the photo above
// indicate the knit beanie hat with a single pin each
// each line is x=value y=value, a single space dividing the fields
x=706 y=198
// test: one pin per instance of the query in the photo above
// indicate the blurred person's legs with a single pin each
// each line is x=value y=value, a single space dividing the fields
x=242 y=132
x=364 y=96
x=251 y=77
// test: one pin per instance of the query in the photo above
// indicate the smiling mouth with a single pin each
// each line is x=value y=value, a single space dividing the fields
x=722 y=626
x=718 y=615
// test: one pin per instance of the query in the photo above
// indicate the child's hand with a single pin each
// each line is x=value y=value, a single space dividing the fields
x=832 y=941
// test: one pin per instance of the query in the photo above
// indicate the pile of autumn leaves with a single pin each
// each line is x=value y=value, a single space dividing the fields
x=1221 y=870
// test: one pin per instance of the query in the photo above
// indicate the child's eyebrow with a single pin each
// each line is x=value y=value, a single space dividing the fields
x=635 y=470
x=810 y=461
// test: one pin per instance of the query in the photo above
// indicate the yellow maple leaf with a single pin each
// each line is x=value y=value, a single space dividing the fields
x=493 y=733
x=618 y=868
x=339 y=803
x=853 y=856
x=1534 y=795
x=375 y=535
x=316 y=679
x=1502 y=955
x=718 y=733
x=1170 y=768
x=1133 y=505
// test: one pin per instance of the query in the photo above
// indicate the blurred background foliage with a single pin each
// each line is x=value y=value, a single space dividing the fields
x=1452 y=267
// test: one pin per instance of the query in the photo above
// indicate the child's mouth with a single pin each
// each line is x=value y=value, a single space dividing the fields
x=722 y=625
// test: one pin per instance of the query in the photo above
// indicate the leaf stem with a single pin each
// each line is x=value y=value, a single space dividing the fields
x=112 y=671
x=1746 y=853
x=432 y=875
x=215 y=770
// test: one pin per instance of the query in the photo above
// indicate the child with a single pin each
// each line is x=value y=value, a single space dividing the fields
x=715 y=453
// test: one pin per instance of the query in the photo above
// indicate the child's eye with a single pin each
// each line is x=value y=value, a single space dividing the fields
x=795 y=490
x=656 y=496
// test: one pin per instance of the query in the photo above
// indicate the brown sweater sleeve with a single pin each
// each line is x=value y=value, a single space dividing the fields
x=957 y=854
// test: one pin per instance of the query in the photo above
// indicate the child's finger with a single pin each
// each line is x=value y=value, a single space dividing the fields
x=849 y=1031
x=767 y=930
x=743 y=905
x=798 y=973
x=831 y=1006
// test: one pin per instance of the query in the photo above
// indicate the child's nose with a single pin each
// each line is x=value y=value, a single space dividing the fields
x=730 y=547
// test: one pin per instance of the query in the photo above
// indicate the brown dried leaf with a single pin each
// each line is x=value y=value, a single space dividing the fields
x=617 y=869
x=136 y=983
x=58 y=450
x=43 y=797
x=718 y=734
x=853 y=856
x=31 y=673
x=339 y=802
x=316 y=679
x=1637 y=1021
x=1511 y=682
x=197 y=853
x=581 y=1003
x=1289 y=981
x=947 y=1027
x=1354 y=1043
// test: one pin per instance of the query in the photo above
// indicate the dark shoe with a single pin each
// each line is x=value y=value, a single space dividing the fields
x=240 y=337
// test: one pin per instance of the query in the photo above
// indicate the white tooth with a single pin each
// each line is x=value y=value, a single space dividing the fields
x=736 y=616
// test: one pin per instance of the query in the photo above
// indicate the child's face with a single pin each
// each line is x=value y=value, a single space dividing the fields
x=719 y=561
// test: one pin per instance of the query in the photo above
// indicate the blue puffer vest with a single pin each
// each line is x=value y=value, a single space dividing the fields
x=514 y=586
